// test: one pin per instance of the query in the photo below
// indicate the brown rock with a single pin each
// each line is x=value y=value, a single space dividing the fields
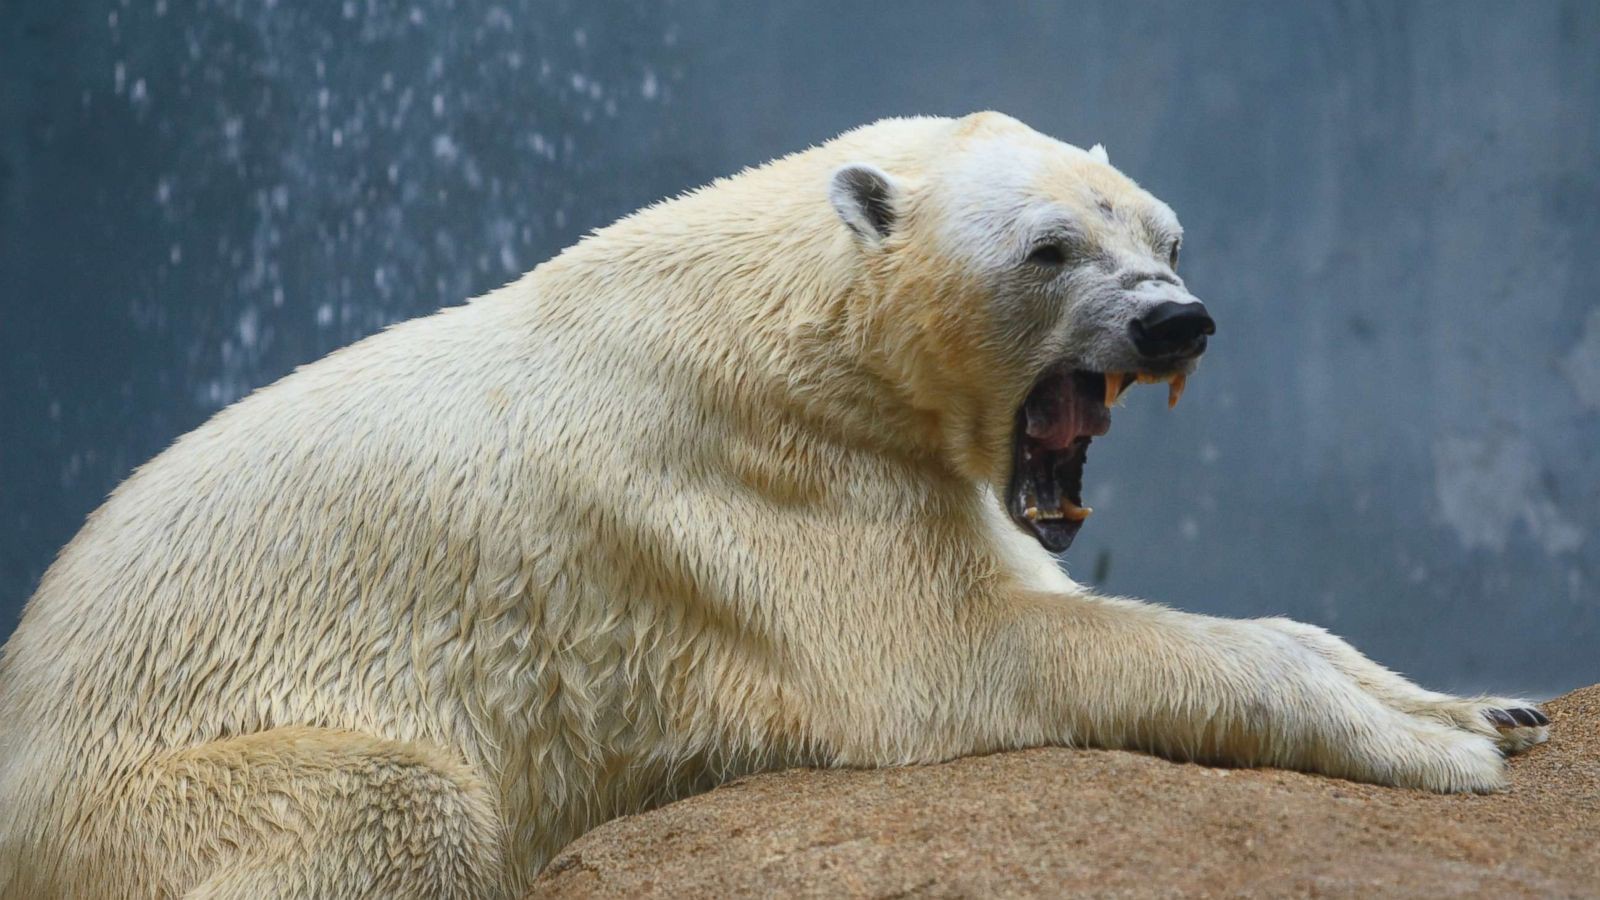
x=1052 y=821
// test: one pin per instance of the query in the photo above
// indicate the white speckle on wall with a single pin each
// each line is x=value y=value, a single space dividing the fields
x=1486 y=487
x=249 y=327
x=445 y=149
x=1581 y=365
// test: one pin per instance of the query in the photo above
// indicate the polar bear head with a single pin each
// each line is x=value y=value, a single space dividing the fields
x=1018 y=284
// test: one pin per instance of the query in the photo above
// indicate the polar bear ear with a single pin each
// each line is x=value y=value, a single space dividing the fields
x=865 y=197
x=1098 y=154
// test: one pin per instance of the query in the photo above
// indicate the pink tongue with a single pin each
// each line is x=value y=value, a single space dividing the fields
x=1065 y=408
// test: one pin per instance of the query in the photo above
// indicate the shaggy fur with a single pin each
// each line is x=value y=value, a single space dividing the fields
x=711 y=492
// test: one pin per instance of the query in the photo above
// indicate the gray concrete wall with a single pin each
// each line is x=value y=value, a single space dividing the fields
x=1392 y=208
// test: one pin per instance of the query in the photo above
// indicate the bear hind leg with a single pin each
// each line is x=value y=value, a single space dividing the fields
x=313 y=812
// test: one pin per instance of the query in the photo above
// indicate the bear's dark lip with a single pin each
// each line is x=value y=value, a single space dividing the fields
x=1063 y=412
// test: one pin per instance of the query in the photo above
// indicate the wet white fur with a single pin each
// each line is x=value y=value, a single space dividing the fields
x=711 y=492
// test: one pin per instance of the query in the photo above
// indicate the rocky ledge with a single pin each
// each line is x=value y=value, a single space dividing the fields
x=1051 y=822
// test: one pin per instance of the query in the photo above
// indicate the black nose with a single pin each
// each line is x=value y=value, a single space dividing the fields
x=1172 y=328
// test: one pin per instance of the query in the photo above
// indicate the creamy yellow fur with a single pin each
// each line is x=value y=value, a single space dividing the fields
x=711 y=492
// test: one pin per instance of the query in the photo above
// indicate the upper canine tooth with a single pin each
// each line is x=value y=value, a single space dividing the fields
x=1175 y=389
x=1114 y=384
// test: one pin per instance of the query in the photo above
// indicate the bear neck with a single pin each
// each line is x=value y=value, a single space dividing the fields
x=771 y=320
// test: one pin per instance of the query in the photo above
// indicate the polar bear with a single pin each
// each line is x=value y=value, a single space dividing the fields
x=765 y=475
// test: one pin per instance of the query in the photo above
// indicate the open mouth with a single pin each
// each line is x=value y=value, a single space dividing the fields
x=1066 y=410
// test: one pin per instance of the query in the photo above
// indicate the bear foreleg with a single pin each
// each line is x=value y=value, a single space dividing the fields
x=1117 y=673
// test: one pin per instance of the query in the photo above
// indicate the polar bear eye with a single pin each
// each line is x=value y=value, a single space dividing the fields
x=1050 y=256
x=1172 y=256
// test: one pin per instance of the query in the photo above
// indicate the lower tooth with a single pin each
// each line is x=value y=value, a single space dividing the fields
x=1069 y=512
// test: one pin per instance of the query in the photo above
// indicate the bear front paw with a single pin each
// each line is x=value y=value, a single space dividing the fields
x=1513 y=725
x=1517 y=727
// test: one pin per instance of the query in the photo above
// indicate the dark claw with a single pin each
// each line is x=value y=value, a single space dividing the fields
x=1530 y=718
x=1500 y=718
